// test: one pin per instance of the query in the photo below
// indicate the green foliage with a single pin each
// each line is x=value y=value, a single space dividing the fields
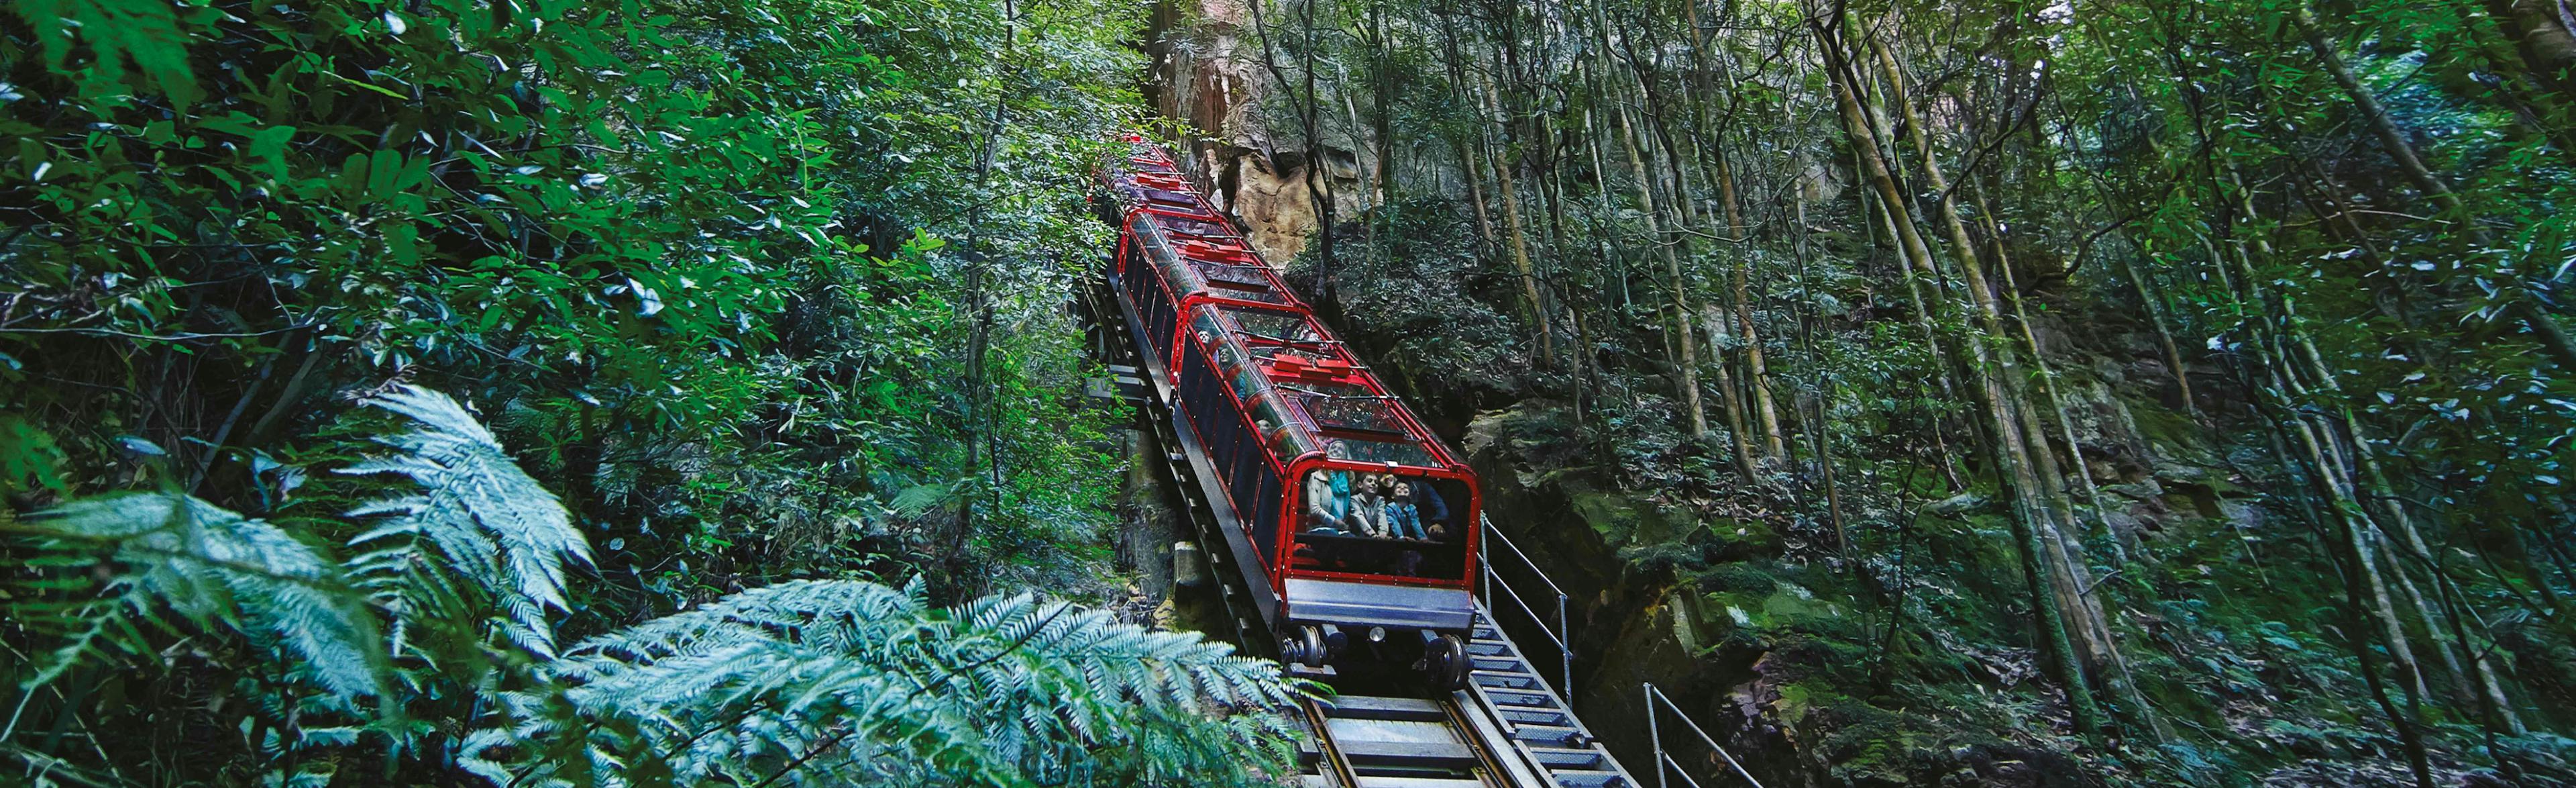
x=826 y=681
x=729 y=278
x=690 y=257
x=28 y=457
x=855 y=682
x=210 y=566
x=477 y=517
x=2263 y=335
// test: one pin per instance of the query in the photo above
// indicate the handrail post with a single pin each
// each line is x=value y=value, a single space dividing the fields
x=1565 y=648
x=1485 y=572
x=1655 y=734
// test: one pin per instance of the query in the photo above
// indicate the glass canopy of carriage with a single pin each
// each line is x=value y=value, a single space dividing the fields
x=1384 y=501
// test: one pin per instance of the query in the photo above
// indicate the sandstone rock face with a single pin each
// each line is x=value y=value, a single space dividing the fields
x=1244 y=145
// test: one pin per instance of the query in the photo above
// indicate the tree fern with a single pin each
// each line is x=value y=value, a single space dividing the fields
x=806 y=682
x=829 y=681
x=211 y=566
x=476 y=515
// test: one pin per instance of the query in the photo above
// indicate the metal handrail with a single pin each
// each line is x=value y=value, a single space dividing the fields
x=1561 y=635
x=1565 y=690
x=1664 y=762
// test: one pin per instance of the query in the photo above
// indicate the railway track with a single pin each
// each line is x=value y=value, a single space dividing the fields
x=1507 y=729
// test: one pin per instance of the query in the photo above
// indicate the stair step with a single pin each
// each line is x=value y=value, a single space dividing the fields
x=1501 y=664
x=1566 y=758
x=1552 y=734
x=1418 y=782
x=1511 y=680
x=1350 y=707
x=1521 y=715
x=1416 y=754
x=1535 y=700
x=1589 y=778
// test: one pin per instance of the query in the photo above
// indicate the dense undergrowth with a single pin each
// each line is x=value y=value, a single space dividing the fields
x=760 y=291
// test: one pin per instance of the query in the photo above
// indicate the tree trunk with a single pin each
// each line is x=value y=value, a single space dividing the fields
x=1686 y=352
x=2544 y=33
x=1774 y=440
x=2054 y=594
x=1504 y=162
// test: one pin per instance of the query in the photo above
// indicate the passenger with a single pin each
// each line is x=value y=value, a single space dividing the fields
x=1402 y=519
x=1328 y=500
x=1429 y=506
x=1329 y=508
x=1369 y=505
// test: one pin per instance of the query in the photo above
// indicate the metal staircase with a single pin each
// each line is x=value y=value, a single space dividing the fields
x=1536 y=725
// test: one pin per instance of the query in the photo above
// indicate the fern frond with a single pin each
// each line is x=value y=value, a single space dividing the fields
x=828 y=682
x=486 y=518
x=214 y=566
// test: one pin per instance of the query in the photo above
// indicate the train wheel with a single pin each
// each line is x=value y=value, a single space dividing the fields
x=1449 y=663
x=1305 y=647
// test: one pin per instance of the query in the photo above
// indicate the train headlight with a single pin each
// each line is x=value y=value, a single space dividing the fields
x=1377 y=634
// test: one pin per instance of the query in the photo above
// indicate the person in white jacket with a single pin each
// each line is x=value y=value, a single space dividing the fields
x=1329 y=507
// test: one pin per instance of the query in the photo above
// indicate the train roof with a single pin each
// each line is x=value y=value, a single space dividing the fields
x=1311 y=394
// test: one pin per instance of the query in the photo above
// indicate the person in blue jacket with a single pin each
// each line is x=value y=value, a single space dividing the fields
x=1403 y=519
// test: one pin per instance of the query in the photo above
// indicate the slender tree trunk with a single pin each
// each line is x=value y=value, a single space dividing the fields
x=1504 y=163
x=1686 y=353
x=2546 y=36
x=2022 y=438
x=2054 y=594
x=2049 y=389
x=1774 y=440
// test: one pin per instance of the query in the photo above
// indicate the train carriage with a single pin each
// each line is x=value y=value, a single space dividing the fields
x=1354 y=519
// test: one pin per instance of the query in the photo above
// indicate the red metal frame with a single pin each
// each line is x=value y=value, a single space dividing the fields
x=1188 y=301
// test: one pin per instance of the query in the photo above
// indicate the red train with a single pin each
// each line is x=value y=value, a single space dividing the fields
x=1347 y=516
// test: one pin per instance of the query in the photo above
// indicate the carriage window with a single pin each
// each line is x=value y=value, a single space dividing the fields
x=1379 y=523
x=1349 y=406
x=1204 y=323
x=1398 y=452
x=1192 y=227
x=1288 y=439
x=1276 y=326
